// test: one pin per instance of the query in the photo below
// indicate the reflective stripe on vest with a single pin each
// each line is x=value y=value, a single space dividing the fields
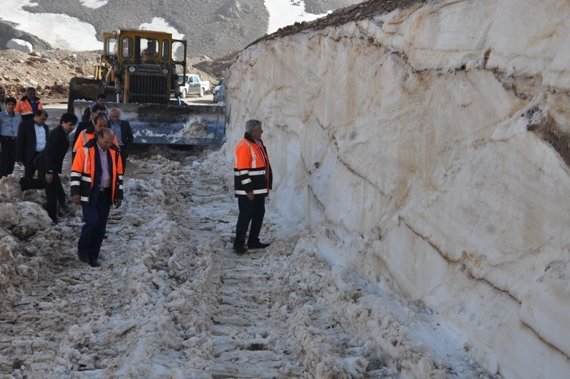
x=255 y=192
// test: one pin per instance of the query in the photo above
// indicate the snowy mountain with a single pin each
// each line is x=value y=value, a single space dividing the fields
x=213 y=28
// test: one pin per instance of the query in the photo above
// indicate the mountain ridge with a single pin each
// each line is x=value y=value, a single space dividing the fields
x=214 y=28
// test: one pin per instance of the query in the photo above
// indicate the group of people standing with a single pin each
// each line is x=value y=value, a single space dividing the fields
x=100 y=149
x=99 y=157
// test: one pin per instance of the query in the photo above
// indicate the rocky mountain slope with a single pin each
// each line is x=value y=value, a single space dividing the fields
x=216 y=28
x=49 y=71
x=213 y=28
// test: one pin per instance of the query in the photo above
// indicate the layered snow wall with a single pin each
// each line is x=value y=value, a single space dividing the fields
x=427 y=149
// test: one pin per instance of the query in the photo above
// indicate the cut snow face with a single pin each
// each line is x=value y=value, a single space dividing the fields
x=431 y=156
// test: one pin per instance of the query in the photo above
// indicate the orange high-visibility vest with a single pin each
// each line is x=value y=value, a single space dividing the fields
x=24 y=106
x=252 y=170
x=83 y=168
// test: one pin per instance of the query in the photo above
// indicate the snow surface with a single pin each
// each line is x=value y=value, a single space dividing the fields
x=94 y=4
x=59 y=30
x=287 y=12
x=160 y=24
x=172 y=300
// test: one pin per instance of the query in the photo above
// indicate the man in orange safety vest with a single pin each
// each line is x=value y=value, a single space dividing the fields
x=252 y=181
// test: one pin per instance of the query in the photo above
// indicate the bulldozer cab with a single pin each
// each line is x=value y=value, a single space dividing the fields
x=140 y=72
x=142 y=66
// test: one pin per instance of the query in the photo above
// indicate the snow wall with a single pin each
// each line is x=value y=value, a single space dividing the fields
x=427 y=149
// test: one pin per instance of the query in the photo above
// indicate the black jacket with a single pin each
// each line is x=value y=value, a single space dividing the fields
x=52 y=157
x=126 y=134
x=26 y=142
x=80 y=127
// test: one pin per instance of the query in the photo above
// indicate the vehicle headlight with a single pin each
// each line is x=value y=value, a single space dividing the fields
x=164 y=71
x=132 y=69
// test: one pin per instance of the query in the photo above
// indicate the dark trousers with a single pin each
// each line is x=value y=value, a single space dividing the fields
x=7 y=156
x=124 y=155
x=28 y=181
x=95 y=216
x=249 y=211
x=54 y=193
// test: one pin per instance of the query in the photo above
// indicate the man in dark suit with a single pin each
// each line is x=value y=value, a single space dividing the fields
x=49 y=167
x=123 y=132
x=31 y=141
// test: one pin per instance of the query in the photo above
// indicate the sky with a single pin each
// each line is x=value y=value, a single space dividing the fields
x=72 y=34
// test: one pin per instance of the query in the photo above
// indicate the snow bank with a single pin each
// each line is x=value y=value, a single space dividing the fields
x=429 y=149
x=22 y=219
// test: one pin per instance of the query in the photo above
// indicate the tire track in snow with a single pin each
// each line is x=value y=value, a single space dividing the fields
x=247 y=341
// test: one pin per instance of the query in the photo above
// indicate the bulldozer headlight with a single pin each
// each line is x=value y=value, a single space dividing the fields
x=132 y=69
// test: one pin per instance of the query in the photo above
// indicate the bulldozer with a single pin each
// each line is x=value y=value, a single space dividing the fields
x=140 y=72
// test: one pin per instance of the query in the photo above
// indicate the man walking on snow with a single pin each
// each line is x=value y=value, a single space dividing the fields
x=96 y=183
x=252 y=181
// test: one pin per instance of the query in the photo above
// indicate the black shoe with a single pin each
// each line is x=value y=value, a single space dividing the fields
x=258 y=245
x=83 y=258
x=94 y=264
x=239 y=249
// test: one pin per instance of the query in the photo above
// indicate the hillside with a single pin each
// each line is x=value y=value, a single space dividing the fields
x=49 y=71
x=213 y=28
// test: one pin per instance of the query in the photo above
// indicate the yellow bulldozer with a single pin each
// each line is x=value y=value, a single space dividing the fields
x=140 y=72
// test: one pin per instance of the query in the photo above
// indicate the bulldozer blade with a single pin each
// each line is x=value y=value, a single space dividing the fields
x=172 y=124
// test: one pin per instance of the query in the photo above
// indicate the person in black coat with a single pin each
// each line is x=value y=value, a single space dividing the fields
x=123 y=132
x=30 y=142
x=51 y=161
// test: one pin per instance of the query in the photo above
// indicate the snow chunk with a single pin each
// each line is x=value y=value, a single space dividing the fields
x=19 y=44
x=94 y=4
